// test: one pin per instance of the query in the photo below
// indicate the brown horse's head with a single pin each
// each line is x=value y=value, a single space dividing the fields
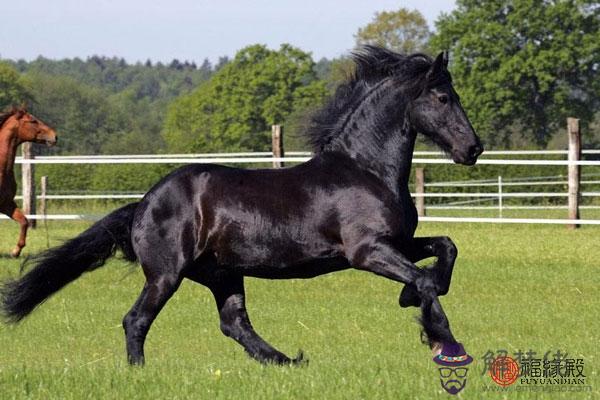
x=29 y=128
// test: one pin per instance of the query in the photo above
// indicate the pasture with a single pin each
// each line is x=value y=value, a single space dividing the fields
x=515 y=287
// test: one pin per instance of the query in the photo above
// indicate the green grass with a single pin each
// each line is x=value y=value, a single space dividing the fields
x=514 y=287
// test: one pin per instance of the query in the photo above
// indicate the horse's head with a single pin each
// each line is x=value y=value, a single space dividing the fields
x=31 y=129
x=438 y=114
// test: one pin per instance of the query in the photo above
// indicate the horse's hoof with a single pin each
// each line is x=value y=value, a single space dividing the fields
x=15 y=253
x=409 y=297
x=136 y=361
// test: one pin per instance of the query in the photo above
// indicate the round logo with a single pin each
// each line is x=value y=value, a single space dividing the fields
x=504 y=371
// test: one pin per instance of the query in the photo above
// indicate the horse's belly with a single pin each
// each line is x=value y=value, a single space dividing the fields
x=272 y=252
x=272 y=248
x=301 y=270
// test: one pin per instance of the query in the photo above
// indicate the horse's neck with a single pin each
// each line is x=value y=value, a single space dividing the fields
x=8 y=152
x=382 y=144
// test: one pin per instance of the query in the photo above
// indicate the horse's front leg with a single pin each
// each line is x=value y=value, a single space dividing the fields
x=381 y=257
x=446 y=252
x=16 y=214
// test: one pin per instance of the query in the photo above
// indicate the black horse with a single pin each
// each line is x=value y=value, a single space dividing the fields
x=349 y=206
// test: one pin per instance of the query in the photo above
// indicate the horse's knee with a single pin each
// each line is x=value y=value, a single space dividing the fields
x=449 y=248
x=426 y=286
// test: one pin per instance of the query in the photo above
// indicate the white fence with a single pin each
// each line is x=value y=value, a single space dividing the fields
x=421 y=158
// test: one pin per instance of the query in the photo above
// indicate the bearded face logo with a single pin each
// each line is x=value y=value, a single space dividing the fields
x=453 y=379
x=452 y=362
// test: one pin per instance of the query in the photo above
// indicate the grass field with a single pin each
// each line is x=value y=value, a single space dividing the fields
x=515 y=287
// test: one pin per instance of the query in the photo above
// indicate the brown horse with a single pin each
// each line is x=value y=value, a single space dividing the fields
x=17 y=126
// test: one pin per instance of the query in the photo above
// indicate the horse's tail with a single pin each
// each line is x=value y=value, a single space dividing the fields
x=56 y=267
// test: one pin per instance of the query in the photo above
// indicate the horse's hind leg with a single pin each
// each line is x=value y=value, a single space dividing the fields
x=230 y=299
x=16 y=214
x=157 y=291
x=441 y=247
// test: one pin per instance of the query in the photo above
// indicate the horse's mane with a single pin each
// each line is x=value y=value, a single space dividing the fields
x=9 y=113
x=6 y=115
x=372 y=64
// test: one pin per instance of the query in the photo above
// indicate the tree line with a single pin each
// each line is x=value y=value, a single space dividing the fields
x=521 y=67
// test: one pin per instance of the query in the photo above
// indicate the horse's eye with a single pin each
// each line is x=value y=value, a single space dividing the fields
x=443 y=98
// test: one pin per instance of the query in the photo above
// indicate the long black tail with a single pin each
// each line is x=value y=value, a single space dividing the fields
x=56 y=267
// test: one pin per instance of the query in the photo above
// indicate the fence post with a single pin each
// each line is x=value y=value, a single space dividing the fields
x=277 y=136
x=44 y=192
x=574 y=170
x=420 y=191
x=28 y=176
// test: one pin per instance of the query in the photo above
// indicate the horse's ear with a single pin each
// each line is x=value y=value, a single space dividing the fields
x=19 y=112
x=441 y=61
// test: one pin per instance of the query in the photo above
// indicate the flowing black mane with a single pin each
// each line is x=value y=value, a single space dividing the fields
x=372 y=64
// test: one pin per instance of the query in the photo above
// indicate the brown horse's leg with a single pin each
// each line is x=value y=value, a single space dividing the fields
x=15 y=213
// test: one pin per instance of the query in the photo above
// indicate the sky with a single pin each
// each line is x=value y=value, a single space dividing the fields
x=191 y=30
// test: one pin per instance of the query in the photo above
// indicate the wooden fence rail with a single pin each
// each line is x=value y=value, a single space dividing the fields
x=573 y=183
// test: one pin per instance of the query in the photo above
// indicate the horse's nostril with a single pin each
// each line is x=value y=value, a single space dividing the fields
x=476 y=150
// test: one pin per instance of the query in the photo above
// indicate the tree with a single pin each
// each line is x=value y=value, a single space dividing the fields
x=235 y=109
x=81 y=115
x=523 y=65
x=103 y=104
x=13 y=90
x=404 y=31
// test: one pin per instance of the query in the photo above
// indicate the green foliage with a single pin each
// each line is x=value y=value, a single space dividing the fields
x=81 y=115
x=523 y=65
x=104 y=105
x=13 y=91
x=102 y=178
x=404 y=31
x=115 y=75
x=235 y=109
x=341 y=69
x=128 y=177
